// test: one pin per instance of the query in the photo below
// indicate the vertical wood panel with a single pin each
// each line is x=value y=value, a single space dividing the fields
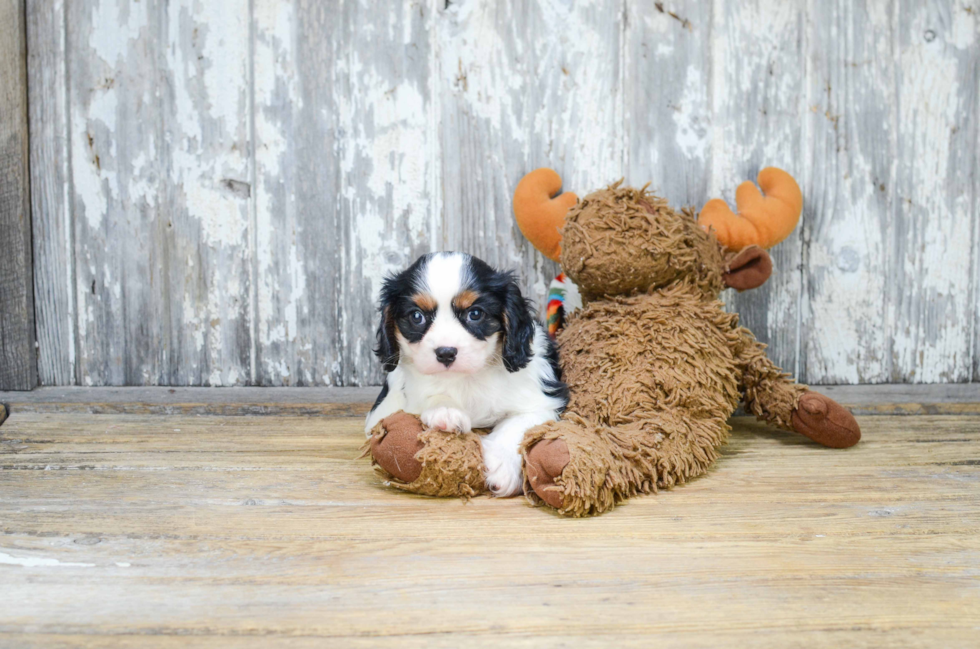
x=345 y=196
x=524 y=85
x=54 y=298
x=930 y=310
x=850 y=191
x=159 y=126
x=894 y=97
x=298 y=234
x=387 y=156
x=757 y=88
x=18 y=364
x=667 y=88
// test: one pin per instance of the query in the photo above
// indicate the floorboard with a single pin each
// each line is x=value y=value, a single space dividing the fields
x=163 y=531
x=884 y=399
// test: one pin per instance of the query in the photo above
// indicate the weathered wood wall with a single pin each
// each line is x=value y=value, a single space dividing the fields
x=18 y=364
x=219 y=187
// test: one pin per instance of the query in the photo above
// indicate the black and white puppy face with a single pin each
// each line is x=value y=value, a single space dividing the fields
x=451 y=312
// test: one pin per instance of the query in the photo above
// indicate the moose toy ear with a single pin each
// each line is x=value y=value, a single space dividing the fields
x=748 y=269
x=762 y=219
x=540 y=207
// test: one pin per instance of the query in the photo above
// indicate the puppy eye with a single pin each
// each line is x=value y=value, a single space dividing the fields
x=416 y=317
x=475 y=315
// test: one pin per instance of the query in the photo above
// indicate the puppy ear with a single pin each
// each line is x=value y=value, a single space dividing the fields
x=518 y=328
x=387 y=349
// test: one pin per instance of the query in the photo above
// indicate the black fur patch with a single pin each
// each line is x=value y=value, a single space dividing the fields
x=556 y=388
x=506 y=309
x=381 y=397
x=396 y=307
x=387 y=348
x=486 y=327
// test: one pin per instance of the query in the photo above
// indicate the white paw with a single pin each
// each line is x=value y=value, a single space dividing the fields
x=448 y=419
x=503 y=464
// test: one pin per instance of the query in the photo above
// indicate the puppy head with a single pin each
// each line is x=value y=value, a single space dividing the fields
x=450 y=312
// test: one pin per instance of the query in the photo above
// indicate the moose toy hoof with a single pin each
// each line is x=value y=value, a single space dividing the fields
x=825 y=421
x=545 y=462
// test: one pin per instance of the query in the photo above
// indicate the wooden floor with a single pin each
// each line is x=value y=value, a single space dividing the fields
x=174 y=531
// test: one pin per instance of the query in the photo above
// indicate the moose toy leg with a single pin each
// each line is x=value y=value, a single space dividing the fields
x=572 y=466
x=581 y=469
x=394 y=443
x=430 y=462
x=774 y=397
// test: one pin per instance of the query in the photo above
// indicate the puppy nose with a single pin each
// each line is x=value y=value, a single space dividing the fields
x=446 y=355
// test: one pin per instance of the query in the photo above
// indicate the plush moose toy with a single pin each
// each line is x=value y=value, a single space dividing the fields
x=654 y=364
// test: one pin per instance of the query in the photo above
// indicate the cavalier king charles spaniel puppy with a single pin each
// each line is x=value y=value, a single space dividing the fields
x=462 y=349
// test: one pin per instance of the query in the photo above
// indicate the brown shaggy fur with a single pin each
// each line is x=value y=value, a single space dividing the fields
x=620 y=239
x=451 y=463
x=654 y=364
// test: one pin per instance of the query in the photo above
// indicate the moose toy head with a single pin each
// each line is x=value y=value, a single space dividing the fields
x=619 y=239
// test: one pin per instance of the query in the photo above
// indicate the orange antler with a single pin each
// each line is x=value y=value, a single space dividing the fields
x=540 y=210
x=761 y=220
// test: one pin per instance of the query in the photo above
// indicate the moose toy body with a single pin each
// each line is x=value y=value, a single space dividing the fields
x=654 y=364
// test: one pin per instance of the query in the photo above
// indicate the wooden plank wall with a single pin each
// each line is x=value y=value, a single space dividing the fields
x=218 y=188
x=18 y=365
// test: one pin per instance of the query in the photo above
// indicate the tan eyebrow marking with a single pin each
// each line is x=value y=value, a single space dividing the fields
x=425 y=301
x=465 y=299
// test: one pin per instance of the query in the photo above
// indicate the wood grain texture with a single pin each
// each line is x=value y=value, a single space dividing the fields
x=160 y=161
x=51 y=178
x=344 y=172
x=236 y=178
x=330 y=401
x=298 y=241
x=850 y=192
x=668 y=83
x=203 y=531
x=895 y=399
x=18 y=362
x=893 y=96
x=524 y=84
x=935 y=216
x=714 y=97
x=757 y=94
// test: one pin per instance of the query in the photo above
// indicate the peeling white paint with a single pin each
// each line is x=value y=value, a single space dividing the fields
x=93 y=181
x=846 y=345
x=965 y=26
x=39 y=562
x=692 y=133
x=115 y=24
x=845 y=339
x=276 y=84
x=431 y=120
x=297 y=292
x=222 y=218
x=937 y=238
x=208 y=54
x=474 y=65
x=391 y=143
x=517 y=93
